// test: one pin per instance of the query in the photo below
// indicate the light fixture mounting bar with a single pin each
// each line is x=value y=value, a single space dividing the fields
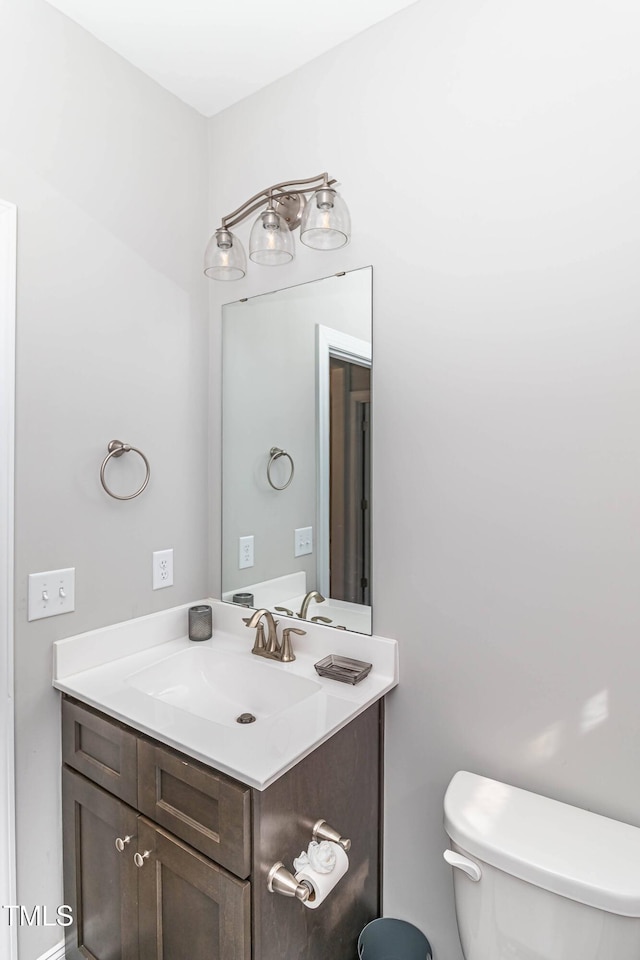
x=273 y=193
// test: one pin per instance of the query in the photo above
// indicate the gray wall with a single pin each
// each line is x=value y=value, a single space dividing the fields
x=108 y=172
x=489 y=154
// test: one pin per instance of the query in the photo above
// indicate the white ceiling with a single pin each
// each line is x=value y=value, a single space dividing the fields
x=212 y=54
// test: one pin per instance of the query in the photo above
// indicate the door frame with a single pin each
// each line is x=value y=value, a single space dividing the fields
x=330 y=343
x=8 y=250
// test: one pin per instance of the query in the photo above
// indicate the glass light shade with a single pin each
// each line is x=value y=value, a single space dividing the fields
x=271 y=241
x=224 y=258
x=326 y=224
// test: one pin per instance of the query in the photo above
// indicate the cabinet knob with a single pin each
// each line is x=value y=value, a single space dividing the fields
x=120 y=843
x=139 y=858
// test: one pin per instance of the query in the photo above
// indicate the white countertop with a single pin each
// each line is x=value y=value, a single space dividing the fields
x=94 y=667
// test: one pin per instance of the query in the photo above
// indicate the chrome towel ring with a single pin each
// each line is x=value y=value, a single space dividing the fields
x=116 y=448
x=276 y=453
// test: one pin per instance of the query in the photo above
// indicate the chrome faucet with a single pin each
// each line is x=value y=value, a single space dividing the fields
x=312 y=595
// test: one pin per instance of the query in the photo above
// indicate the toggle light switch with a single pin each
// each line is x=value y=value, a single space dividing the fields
x=303 y=541
x=51 y=593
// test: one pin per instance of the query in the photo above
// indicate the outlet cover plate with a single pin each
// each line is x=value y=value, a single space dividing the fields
x=51 y=593
x=162 y=569
x=245 y=552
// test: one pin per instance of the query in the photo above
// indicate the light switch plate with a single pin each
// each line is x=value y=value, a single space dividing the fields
x=51 y=593
x=303 y=541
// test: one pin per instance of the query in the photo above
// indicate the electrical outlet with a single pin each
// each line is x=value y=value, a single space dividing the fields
x=162 y=569
x=245 y=552
x=303 y=541
x=51 y=593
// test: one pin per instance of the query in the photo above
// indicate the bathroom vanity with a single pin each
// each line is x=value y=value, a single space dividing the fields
x=167 y=850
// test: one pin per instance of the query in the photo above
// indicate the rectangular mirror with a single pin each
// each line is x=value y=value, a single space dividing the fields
x=296 y=461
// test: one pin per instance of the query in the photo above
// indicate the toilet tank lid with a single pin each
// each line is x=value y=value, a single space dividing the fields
x=569 y=851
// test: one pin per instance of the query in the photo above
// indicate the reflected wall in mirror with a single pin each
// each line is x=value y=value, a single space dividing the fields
x=296 y=464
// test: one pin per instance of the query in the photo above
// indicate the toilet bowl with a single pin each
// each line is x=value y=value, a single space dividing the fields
x=535 y=879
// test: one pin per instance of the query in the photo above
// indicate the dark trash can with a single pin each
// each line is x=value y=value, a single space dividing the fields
x=389 y=939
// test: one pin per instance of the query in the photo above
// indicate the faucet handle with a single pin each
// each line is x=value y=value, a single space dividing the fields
x=287 y=654
x=259 y=646
x=285 y=610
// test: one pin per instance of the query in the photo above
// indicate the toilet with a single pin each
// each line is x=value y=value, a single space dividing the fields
x=535 y=879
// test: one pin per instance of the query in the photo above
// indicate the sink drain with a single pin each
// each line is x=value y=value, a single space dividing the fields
x=245 y=718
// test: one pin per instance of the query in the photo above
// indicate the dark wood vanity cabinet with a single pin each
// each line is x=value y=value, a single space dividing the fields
x=204 y=844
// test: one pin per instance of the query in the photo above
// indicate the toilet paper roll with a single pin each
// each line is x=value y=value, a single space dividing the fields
x=323 y=883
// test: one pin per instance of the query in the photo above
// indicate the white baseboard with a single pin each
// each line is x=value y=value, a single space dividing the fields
x=56 y=953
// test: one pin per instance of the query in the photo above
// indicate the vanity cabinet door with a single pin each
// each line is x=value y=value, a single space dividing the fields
x=188 y=906
x=100 y=883
x=204 y=808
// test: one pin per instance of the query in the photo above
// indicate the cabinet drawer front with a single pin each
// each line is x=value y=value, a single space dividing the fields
x=189 y=907
x=102 y=749
x=204 y=808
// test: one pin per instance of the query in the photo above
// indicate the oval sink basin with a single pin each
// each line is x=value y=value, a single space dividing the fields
x=220 y=687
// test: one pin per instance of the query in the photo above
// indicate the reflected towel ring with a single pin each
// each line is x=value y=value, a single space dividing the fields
x=116 y=448
x=276 y=453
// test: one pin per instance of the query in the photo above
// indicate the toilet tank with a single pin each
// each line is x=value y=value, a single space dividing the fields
x=556 y=882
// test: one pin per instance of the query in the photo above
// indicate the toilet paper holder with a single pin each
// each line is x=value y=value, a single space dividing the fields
x=323 y=831
x=282 y=881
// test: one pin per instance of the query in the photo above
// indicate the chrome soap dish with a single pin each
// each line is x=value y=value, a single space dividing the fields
x=344 y=669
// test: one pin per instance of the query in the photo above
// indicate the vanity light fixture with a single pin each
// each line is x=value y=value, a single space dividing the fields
x=323 y=220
